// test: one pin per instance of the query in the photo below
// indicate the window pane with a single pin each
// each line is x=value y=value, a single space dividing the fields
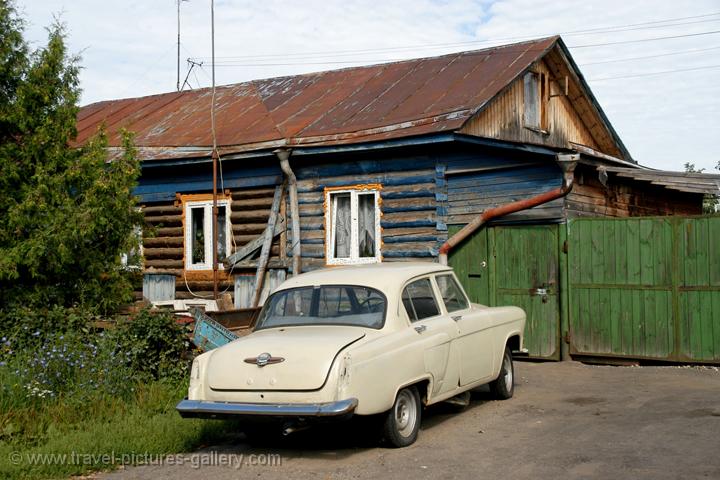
x=532 y=100
x=451 y=293
x=366 y=225
x=421 y=296
x=341 y=208
x=222 y=233
x=334 y=301
x=197 y=234
x=407 y=303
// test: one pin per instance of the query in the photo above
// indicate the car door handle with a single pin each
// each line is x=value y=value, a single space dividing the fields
x=457 y=318
x=420 y=328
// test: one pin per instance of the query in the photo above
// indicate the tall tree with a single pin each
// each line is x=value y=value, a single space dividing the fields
x=66 y=212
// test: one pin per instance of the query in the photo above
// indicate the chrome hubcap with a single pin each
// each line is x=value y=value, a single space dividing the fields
x=405 y=413
x=508 y=373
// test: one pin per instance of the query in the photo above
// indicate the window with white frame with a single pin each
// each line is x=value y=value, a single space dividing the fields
x=352 y=226
x=199 y=235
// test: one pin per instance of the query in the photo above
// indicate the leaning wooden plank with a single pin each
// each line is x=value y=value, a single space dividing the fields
x=248 y=249
x=267 y=244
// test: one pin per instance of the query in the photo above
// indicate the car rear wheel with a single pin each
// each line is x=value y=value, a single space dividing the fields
x=402 y=422
x=503 y=387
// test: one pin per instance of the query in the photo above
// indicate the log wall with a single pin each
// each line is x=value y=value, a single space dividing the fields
x=625 y=198
x=163 y=239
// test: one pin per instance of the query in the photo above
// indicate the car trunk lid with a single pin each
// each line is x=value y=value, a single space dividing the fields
x=300 y=358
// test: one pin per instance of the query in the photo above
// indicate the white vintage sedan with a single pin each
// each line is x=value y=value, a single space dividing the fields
x=382 y=339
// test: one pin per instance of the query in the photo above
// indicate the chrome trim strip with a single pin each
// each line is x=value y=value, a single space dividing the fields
x=198 y=408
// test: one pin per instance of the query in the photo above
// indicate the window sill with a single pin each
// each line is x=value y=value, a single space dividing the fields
x=334 y=262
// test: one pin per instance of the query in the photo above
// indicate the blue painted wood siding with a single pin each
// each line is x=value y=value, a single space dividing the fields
x=160 y=184
x=471 y=192
x=413 y=227
x=423 y=190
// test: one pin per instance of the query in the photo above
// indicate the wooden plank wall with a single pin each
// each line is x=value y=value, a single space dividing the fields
x=163 y=241
x=161 y=183
x=472 y=192
x=503 y=118
x=412 y=221
x=625 y=198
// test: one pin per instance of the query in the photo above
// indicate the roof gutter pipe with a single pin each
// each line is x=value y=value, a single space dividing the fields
x=566 y=162
x=283 y=155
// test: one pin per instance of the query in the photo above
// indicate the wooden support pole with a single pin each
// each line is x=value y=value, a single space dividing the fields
x=267 y=244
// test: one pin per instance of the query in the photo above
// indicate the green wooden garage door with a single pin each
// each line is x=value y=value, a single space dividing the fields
x=516 y=266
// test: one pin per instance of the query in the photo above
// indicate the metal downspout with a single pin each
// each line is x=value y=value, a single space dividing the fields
x=284 y=155
x=566 y=162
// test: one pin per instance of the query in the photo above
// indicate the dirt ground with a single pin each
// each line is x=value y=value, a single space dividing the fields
x=566 y=420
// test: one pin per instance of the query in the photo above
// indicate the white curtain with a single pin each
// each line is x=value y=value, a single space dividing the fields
x=342 y=225
x=222 y=234
x=366 y=225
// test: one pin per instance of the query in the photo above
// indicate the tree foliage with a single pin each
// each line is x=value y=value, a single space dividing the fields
x=66 y=211
x=710 y=202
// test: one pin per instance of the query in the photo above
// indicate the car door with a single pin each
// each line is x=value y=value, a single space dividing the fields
x=436 y=331
x=474 y=343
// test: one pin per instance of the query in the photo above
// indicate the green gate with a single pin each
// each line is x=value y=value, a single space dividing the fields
x=645 y=288
x=516 y=266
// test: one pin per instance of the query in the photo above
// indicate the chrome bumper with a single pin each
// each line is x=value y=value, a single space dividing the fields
x=198 y=408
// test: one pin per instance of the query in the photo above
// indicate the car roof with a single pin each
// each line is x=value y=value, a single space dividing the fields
x=377 y=275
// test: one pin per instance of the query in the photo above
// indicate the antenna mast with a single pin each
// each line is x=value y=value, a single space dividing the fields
x=178 y=47
x=214 y=157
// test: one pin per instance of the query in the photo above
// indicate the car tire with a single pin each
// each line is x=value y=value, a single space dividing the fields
x=402 y=422
x=503 y=387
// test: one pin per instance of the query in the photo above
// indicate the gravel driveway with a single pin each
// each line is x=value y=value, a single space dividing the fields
x=567 y=420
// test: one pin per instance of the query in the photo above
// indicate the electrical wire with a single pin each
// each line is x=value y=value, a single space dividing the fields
x=669 y=54
x=503 y=51
x=617 y=60
x=610 y=29
x=650 y=74
x=641 y=40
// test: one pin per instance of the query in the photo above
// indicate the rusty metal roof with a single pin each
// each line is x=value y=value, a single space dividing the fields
x=680 y=181
x=352 y=105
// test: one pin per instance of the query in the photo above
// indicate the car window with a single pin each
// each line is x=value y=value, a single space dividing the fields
x=451 y=293
x=419 y=300
x=324 y=305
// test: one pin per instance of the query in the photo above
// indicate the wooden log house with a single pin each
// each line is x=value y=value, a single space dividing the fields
x=387 y=158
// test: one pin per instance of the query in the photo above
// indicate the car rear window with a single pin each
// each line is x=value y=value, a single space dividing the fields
x=324 y=305
x=419 y=300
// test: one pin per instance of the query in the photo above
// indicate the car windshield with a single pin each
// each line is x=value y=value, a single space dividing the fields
x=324 y=305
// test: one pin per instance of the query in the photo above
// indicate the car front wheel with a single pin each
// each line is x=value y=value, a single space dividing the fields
x=504 y=386
x=402 y=422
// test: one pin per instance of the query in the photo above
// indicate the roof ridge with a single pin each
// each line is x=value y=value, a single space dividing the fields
x=371 y=65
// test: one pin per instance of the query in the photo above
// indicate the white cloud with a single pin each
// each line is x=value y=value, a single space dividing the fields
x=665 y=120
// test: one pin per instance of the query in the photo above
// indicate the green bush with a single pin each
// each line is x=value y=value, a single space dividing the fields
x=20 y=323
x=156 y=345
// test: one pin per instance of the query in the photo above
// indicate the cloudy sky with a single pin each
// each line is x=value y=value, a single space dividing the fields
x=665 y=118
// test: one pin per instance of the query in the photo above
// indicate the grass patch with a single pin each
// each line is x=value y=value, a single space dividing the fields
x=147 y=423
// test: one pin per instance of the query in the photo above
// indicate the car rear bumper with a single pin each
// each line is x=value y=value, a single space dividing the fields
x=202 y=409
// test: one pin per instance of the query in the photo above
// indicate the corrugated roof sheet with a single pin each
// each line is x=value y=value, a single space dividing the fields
x=351 y=105
x=679 y=181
